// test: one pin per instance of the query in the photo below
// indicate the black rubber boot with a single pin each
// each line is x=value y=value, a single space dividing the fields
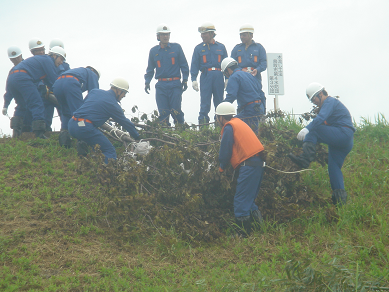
x=244 y=226
x=82 y=148
x=16 y=126
x=65 y=139
x=339 y=197
x=39 y=128
x=309 y=153
x=257 y=220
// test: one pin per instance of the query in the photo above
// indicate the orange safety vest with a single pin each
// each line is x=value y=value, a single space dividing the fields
x=246 y=143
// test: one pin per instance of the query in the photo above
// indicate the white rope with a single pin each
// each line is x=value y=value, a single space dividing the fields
x=289 y=172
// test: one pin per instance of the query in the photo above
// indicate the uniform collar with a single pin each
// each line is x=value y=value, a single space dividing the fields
x=167 y=46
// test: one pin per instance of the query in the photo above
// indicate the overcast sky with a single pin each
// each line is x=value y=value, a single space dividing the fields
x=342 y=44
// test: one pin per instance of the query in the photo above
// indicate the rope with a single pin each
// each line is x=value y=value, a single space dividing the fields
x=289 y=172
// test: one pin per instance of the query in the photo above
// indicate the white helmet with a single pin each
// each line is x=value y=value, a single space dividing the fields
x=55 y=43
x=207 y=26
x=58 y=51
x=94 y=69
x=163 y=28
x=313 y=89
x=246 y=28
x=14 y=52
x=225 y=108
x=227 y=62
x=120 y=83
x=35 y=44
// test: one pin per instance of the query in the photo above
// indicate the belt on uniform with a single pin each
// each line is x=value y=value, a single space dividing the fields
x=249 y=68
x=67 y=76
x=80 y=120
x=214 y=69
x=16 y=71
x=254 y=163
x=242 y=107
x=169 y=79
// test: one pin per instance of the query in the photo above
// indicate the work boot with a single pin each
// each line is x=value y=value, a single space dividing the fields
x=257 y=219
x=65 y=139
x=82 y=148
x=16 y=126
x=303 y=160
x=244 y=225
x=339 y=197
x=39 y=128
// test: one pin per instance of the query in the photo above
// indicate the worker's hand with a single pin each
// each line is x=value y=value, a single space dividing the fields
x=225 y=84
x=221 y=170
x=4 y=111
x=147 y=88
x=195 y=85
x=302 y=133
x=254 y=72
x=44 y=91
x=184 y=85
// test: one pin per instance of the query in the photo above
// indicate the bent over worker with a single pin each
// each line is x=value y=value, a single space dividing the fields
x=251 y=57
x=243 y=87
x=98 y=107
x=68 y=89
x=23 y=81
x=168 y=59
x=332 y=126
x=206 y=58
x=241 y=147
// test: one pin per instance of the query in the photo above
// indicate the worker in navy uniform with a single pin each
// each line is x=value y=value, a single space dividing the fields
x=332 y=126
x=100 y=105
x=15 y=55
x=207 y=57
x=23 y=80
x=243 y=87
x=68 y=89
x=168 y=60
x=241 y=147
x=251 y=57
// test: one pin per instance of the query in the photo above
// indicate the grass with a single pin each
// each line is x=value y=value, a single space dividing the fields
x=54 y=235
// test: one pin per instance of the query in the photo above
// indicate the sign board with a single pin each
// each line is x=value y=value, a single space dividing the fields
x=275 y=74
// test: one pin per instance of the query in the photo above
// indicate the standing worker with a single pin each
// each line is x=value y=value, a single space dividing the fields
x=23 y=80
x=169 y=62
x=68 y=89
x=251 y=57
x=98 y=107
x=15 y=55
x=332 y=126
x=240 y=146
x=207 y=57
x=243 y=87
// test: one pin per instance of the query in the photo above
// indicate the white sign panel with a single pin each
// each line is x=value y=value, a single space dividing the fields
x=275 y=74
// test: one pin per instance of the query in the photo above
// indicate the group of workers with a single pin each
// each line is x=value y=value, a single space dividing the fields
x=42 y=82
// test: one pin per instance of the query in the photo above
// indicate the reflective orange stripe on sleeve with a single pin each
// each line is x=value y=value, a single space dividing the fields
x=219 y=58
x=239 y=59
x=255 y=58
x=204 y=58
x=173 y=60
x=159 y=64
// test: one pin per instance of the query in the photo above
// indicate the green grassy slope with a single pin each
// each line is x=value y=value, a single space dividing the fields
x=56 y=233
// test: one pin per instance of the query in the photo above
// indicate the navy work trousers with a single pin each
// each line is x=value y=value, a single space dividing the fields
x=169 y=97
x=211 y=83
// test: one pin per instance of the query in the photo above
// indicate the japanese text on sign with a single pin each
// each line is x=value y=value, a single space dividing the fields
x=275 y=74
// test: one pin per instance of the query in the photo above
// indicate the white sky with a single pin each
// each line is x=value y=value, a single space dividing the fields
x=342 y=44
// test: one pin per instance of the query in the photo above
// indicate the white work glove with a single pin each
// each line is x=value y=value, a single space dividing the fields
x=195 y=85
x=4 y=111
x=225 y=84
x=302 y=133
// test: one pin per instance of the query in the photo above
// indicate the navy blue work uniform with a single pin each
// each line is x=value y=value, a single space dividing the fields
x=169 y=62
x=99 y=105
x=250 y=58
x=23 y=80
x=68 y=89
x=207 y=59
x=333 y=126
x=49 y=106
x=243 y=87
x=249 y=177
